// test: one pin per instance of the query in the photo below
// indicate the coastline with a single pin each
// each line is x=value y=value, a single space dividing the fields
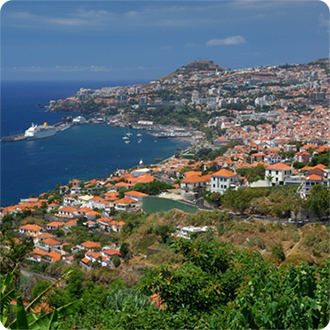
x=83 y=151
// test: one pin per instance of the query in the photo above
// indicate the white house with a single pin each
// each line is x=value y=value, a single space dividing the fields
x=222 y=180
x=277 y=173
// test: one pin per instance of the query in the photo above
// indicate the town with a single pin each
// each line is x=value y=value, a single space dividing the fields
x=267 y=126
x=258 y=164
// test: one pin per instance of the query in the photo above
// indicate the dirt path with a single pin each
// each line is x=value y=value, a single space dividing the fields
x=296 y=245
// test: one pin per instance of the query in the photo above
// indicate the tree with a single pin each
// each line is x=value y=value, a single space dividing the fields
x=13 y=258
x=74 y=281
x=237 y=200
x=116 y=261
x=124 y=250
x=164 y=232
x=318 y=200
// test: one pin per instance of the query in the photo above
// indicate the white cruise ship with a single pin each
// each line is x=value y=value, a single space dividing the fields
x=40 y=131
x=79 y=120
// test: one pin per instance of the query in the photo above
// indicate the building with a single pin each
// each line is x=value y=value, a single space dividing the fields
x=222 y=180
x=277 y=173
x=194 y=185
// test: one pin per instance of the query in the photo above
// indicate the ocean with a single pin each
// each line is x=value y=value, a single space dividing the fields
x=80 y=152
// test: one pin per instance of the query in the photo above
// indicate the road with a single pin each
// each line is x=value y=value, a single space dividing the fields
x=28 y=273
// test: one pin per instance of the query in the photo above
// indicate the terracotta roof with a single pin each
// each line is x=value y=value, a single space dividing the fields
x=111 y=252
x=225 y=173
x=279 y=166
x=51 y=241
x=89 y=244
x=31 y=227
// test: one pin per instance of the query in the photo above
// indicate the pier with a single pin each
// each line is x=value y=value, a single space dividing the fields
x=61 y=126
x=13 y=138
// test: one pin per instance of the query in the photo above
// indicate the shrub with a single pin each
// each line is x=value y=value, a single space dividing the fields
x=277 y=252
x=116 y=261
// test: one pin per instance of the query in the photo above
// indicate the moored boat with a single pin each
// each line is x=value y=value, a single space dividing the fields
x=39 y=131
x=79 y=120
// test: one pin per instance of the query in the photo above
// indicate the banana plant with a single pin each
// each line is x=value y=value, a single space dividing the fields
x=17 y=316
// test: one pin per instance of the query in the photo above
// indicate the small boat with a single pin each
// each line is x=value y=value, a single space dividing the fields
x=139 y=140
x=138 y=134
x=127 y=141
x=125 y=137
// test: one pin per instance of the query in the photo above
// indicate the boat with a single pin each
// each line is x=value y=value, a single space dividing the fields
x=138 y=134
x=127 y=141
x=139 y=140
x=39 y=131
x=79 y=120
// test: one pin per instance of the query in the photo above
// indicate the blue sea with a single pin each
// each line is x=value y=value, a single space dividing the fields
x=82 y=152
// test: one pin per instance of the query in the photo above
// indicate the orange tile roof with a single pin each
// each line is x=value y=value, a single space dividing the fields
x=55 y=256
x=135 y=193
x=279 y=166
x=89 y=244
x=55 y=224
x=31 y=227
x=51 y=241
x=225 y=173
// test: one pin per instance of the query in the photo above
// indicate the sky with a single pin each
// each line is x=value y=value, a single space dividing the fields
x=145 y=40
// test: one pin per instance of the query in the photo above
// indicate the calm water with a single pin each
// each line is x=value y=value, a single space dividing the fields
x=82 y=152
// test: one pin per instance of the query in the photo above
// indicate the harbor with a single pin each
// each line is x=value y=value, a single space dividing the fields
x=60 y=126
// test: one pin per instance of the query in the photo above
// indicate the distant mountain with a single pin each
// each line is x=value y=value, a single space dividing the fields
x=195 y=66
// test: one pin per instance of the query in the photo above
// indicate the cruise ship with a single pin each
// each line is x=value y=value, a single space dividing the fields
x=40 y=131
x=79 y=120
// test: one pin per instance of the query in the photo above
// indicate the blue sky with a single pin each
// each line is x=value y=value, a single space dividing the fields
x=145 y=40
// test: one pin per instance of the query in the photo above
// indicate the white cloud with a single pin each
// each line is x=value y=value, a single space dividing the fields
x=234 y=40
x=323 y=21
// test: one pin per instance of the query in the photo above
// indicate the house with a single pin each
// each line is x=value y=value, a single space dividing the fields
x=313 y=177
x=67 y=212
x=135 y=195
x=302 y=157
x=90 y=246
x=54 y=225
x=104 y=223
x=186 y=231
x=258 y=157
x=110 y=252
x=31 y=230
x=277 y=173
x=97 y=257
x=42 y=236
x=123 y=204
x=194 y=185
x=117 y=225
x=92 y=215
x=222 y=180
x=69 y=201
x=39 y=255
x=49 y=244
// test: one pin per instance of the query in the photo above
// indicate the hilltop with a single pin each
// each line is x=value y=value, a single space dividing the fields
x=195 y=66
